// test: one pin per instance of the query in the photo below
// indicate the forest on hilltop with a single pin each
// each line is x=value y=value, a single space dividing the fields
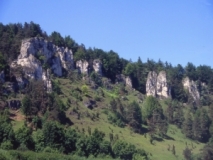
x=47 y=124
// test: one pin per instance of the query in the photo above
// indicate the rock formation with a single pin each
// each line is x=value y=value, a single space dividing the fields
x=157 y=86
x=151 y=84
x=128 y=82
x=82 y=66
x=163 y=91
x=97 y=66
x=37 y=52
x=191 y=88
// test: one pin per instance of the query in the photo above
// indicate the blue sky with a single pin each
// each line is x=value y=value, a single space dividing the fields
x=176 y=31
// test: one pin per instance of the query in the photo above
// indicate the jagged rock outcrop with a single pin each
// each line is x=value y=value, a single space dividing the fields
x=157 y=86
x=2 y=77
x=82 y=66
x=97 y=66
x=163 y=91
x=151 y=84
x=36 y=52
x=191 y=88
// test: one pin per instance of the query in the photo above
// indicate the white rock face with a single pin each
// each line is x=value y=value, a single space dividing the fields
x=128 y=82
x=97 y=66
x=151 y=84
x=192 y=88
x=163 y=90
x=35 y=53
x=35 y=50
x=31 y=66
x=82 y=66
x=157 y=86
x=2 y=77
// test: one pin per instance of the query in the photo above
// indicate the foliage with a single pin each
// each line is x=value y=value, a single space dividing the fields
x=123 y=150
x=150 y=105
x=85 y=89
x=134 y=116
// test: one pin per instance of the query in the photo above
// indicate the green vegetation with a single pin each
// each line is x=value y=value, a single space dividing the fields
x=99 y=117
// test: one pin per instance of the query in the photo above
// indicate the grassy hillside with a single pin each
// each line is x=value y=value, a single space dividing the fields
x=83 y=118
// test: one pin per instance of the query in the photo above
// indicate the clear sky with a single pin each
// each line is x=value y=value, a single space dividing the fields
x=177 y=31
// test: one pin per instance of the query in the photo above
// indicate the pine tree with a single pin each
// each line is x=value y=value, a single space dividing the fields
x=187 y=126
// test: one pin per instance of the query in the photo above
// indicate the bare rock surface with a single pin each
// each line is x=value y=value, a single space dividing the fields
x=36 y=52
x=163 y=91
x=157 y=86
x=191 y=86
x=151 y=84
x=97 y=66
x=82 y=66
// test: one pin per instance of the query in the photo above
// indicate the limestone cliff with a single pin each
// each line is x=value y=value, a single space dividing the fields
x=37 y=52
x=191 y=88
x=151 y=84
x=82 y=66
x=163 y=91
x=97 y=66
x=156 y=85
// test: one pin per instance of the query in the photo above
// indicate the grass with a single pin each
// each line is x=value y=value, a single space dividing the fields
x=157 y=151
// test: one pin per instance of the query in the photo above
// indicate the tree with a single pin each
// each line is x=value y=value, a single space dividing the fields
x=85 y=89
x=207 y=153
x=187 y=154
x=134 y=116
x=24 y=136
x=6 y=130
x=123 y=150
x=53 y=135
x=190 y=70
x=70 y=140
x=150 y=105
x=187 y=126
x=26 y=106
x=2 y=62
